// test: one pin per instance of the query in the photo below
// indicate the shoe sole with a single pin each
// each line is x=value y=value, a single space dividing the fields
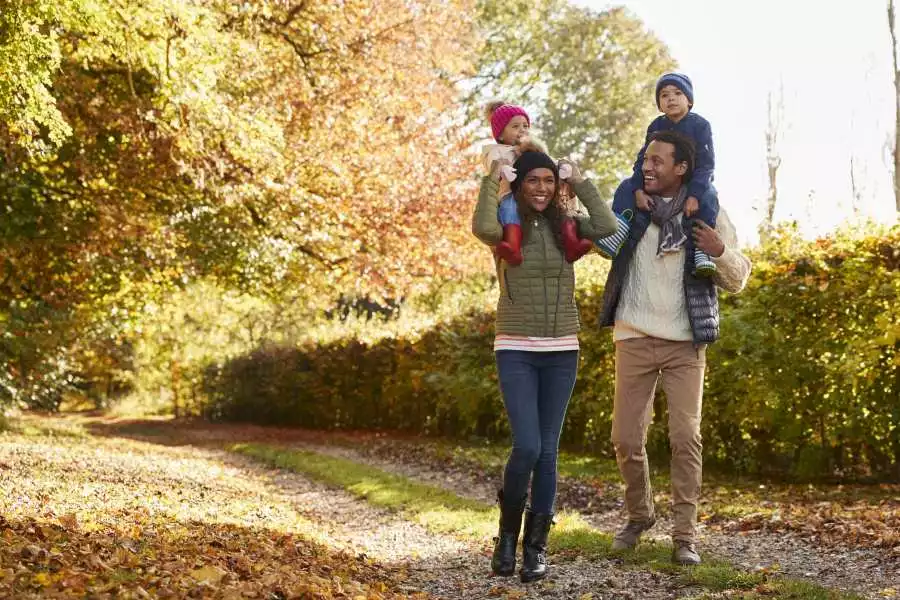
x=623 y=548
x=532 y=578
x=685 y=564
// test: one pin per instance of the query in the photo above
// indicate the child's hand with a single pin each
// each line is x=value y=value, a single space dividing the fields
x=497 y=167
x=691 y=205
x=643 y=201
x=569 y=171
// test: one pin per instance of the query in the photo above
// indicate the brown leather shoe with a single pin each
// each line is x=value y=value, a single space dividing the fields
x=685 y=554
x=627 y=537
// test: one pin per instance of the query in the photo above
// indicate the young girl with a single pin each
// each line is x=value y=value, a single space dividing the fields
x=510 y=125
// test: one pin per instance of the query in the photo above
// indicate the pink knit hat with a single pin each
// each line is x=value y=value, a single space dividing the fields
x=502 y=115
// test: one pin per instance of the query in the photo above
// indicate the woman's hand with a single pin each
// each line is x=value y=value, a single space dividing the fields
x=569 y=168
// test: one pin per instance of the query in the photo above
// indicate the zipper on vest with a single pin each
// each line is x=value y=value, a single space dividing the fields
x=546 y=298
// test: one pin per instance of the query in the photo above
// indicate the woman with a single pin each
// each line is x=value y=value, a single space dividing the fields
x=536 y=344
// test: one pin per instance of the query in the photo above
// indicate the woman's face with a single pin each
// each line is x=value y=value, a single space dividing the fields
x=538 y=188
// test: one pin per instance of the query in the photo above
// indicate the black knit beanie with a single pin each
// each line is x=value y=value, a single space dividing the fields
x=529 y=161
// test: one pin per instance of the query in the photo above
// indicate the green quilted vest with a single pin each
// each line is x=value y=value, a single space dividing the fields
x=537 y=298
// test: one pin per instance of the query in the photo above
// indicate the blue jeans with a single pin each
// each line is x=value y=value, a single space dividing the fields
x=709 y=203
x=536 y=388
x=508 y=212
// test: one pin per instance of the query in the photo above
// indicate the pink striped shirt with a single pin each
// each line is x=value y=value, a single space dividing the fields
x=536 y=344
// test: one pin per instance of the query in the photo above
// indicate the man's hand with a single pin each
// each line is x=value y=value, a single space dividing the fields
x=643 y=201
x=691 y=206
x=706 y=239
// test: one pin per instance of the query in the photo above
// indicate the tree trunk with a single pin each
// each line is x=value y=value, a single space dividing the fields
x=773 y=162
x=856 y=193
x=891 y=15
x=175 y=379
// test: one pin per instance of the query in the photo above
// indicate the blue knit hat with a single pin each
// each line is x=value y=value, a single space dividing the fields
x=679 y=80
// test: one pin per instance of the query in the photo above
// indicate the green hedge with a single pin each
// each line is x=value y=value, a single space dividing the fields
x=803 y=384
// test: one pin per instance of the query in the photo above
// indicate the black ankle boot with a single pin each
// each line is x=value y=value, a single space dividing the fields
x=503 y=562
x=534 y=546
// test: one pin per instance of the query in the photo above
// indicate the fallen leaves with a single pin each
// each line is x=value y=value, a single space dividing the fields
x=831 y=515
x=125 y=519
x=871 y=523
x=209 y=574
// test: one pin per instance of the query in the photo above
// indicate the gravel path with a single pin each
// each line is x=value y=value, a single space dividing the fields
x=442 y=566
x=864 y=571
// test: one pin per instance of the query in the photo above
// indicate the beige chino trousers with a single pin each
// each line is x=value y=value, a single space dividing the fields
x=640 y=363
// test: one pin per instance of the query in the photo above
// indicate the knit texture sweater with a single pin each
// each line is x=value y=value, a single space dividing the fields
x=653 y=302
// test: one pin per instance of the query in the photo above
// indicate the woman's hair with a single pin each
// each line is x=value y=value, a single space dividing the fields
x=554 y=214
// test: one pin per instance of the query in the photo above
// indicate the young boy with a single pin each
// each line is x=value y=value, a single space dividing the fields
x=675 y=98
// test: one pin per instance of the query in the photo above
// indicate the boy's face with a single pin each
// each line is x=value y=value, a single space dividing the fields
x=515 y=130
x=673 y=102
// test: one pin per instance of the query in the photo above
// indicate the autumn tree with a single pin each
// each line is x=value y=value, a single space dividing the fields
x=270 y=145
x=588 y=75
x=294 y=150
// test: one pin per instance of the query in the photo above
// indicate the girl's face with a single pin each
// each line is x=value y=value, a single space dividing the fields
x=538 y=188
x=515 y=130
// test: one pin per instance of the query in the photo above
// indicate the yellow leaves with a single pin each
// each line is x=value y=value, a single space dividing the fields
x=209 y=574
x=69 y=521
x=506 y=593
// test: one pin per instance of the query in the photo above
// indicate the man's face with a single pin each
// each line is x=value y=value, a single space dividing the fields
x=662 y=177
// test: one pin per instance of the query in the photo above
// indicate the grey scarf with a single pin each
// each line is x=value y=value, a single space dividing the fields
x=668 y=216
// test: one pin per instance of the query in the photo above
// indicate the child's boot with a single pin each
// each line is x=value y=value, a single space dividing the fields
x=510 y=249
x=610 y=245
x=574 y=246
x=703 y=265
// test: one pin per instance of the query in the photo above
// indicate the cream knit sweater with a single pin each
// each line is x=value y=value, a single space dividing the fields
x=652 y=302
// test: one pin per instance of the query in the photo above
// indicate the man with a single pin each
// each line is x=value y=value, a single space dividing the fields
x=663 y=318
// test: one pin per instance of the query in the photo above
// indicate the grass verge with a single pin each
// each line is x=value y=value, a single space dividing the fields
x=442 y=511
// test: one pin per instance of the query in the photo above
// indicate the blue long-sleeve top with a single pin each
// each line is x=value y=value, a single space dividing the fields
x=695 y=127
